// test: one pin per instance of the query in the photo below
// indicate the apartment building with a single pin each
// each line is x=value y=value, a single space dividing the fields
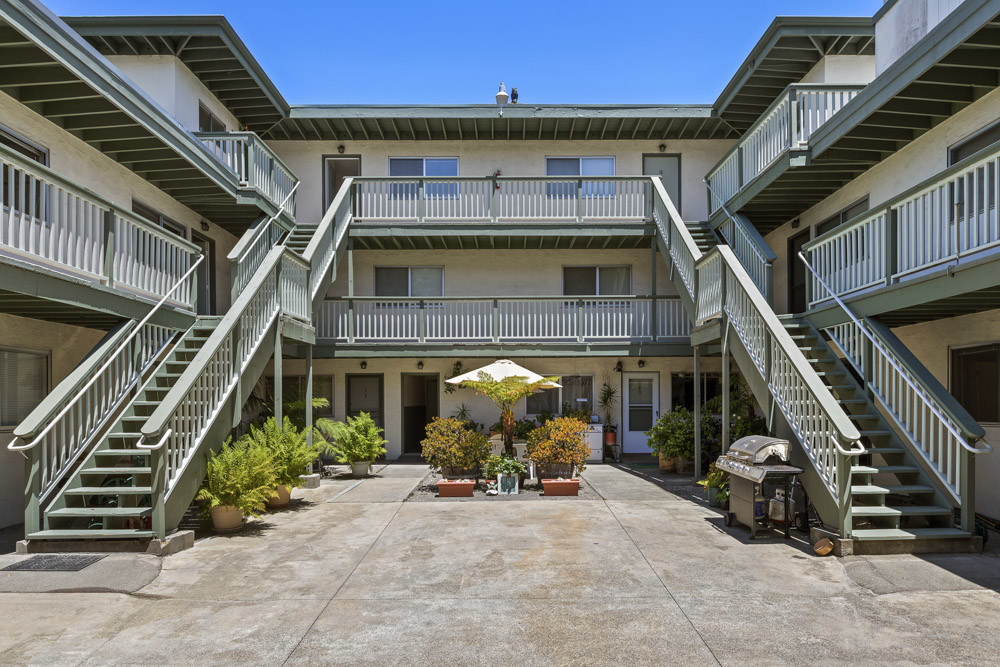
x=368 y=253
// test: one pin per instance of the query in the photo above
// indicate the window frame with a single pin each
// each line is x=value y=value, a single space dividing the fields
x=961 y=143
x=839 y=215
x=559 y=190
x=597 y=280
x=162 y=221
x=46 y=376
x=442 y=191
x=409 y=280
x=951 y=367
x=25 y=142
x=202 y=107
x=559 y=400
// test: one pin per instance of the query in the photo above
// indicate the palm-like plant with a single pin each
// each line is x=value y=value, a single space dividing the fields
x=241 y=474
x=289 y=448
x=360 y=439
x=505 y=394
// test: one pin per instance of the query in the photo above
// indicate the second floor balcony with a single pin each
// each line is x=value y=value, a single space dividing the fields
x=256 y=166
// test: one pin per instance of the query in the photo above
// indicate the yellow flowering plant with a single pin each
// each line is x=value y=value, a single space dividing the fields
x=559 y=441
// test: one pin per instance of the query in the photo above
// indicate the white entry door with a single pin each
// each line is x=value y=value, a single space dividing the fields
x=641 y=408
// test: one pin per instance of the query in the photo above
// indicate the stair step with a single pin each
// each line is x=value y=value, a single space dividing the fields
x=902 y=510
x=122 y=435
x=99 y=511
x=96 y=534
x=116 y=470
x=884 y=470
x=875 y=489
x=852 y=401
x=109 y=491
x=884 y=450
x=875 y=434
x=908 y=534
x=122 y=452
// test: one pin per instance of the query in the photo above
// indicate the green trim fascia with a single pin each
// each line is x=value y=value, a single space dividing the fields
x=324 y=349
x=963 y=22
x=501 y=229
x=72 y=51
x=488 y=111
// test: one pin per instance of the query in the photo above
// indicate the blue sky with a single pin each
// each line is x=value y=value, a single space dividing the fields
x=428 y=52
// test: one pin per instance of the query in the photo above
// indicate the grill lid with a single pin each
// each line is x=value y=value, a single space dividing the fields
x=759 y=448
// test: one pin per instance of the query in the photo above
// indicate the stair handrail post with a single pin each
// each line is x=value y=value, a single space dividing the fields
x=32 y=491
x=158 y=482
x=844 y=500
x=967 y=473
x=109 y=247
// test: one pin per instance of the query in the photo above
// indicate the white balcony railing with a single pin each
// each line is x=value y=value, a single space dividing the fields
x=47 y=220
x=786 y=125
x=543 y=199
x=943 y=220
x=501 y=320
x=255 y=164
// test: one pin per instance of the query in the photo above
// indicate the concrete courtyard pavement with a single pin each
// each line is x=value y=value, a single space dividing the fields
x=352 y=573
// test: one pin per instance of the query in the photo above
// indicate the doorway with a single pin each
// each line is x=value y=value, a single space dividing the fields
x=640 y=410
x=797 y=273
x=206 y=274
x=420 y=402
x=668 y=168
x=335 y=170
x=364 y=394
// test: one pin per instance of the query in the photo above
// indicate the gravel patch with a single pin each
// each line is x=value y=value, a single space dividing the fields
x=531 y=489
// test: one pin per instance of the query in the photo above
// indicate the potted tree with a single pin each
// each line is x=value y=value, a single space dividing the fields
x=558 y=447
x=291 y=453
x=607 y=402
x=456 y=452
x=505 y=393
x=239 y=480
x=359 y=443
x=672 y=436
x=507 y=471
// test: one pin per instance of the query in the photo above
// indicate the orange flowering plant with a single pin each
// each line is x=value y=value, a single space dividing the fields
x=451 y=445
x=559 y=441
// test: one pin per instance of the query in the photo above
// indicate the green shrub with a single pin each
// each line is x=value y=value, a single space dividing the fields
x=672 y=436
x=503 y=465
x=289 y=449
x=559 y=441
x=360 y=439
x=450 y=445
x=241 y=474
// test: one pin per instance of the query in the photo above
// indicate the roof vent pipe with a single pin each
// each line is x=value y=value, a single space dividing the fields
x=502 y=95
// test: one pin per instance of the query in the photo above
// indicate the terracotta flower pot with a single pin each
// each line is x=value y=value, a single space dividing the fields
x=226 y=518
x=610 y=439
x=282 y=499
x=455 y=488
x=666 y=465
x=561 y=487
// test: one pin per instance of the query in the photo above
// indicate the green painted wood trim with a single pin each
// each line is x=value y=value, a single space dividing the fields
x=501 y=229
x=489 y=111
x=326 y=350
x=296 y=330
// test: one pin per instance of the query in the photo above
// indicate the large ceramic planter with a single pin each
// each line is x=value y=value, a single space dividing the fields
x=666 y=464
x=507 y=485
x=282 y=499
x=561 y=487
x=456 y=488
x=610 y=438
x=360 y=468
x=713 y=496
x=683 y=466
x=226 y=518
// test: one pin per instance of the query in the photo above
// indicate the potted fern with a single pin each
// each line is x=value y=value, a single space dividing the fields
x=239 y=480
x=359 y=443
x=291 y=453
x=560 y=450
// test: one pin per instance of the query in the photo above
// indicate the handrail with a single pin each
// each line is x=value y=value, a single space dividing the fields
x=680 y=244
x=931 y=403
x=518 y=297
x=254 y=162
x=157 y=445
x=253 y=137
x=242 y=248
x=18 y=448
x=244 y=270
x=328 y=236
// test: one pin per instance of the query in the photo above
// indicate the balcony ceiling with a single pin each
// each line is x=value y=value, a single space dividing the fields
x=209 y=47
x=789 y=48
x=484 y=122
x=506 y=236
x=955 y=64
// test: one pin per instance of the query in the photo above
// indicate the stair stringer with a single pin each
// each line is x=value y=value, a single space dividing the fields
x=184 y=489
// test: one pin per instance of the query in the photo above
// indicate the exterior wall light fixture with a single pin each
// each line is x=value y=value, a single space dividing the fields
x=642 y=364
x=364 y=365
x=663 y=148
x=420 y=365
x=340 y=148
x=618 y=367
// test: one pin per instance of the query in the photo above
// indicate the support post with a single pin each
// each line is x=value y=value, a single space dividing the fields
x=278 y=389
x=697 y=411
x=725 y=391
x=844 y=493
x=309 y=395
x=32 y=491
x=109 y=247
x=653 y=304
x=158 y=491
x=891 y=245
x=967 y=475
x=350 y=267
x=496 y=320
x=420 y=201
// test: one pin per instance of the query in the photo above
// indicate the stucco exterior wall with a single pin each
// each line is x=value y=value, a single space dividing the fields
x=842 y=69
x=481 y=409
x=88 y=167
x=512 y=158
x=916 y=162
x=931 y=343
x=503 y=272
x=66 y=346
x=174 y=87
x=904 y=24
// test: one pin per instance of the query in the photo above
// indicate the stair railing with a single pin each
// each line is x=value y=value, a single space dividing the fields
x=750 y=247
x=248 y=255
x=680 y=244
x=328 y=239
x=85 y=407
x=938 y=429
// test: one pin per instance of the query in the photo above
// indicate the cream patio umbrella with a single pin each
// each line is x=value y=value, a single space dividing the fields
x=505 y=383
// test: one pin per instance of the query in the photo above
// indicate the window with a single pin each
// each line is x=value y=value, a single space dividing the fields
x=974 y=144
x=24 y=383
x=209 y=122
x=12 y=189
x=975 y=380
x=159 y=219
x=579 y=166
x=840 y=218
x=597 y=280
x=293 y=388
x=423 y=167
x=576 y=393
x=409 y=281
x=25 y=147
x=682 y=388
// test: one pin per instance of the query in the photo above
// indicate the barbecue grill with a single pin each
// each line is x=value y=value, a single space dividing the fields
x=750 y=462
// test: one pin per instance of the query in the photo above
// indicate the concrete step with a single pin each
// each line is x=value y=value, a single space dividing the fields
x=96 y=534
x=866 y=534
x=903 y=510
x=99 y=511
x=121 y=452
